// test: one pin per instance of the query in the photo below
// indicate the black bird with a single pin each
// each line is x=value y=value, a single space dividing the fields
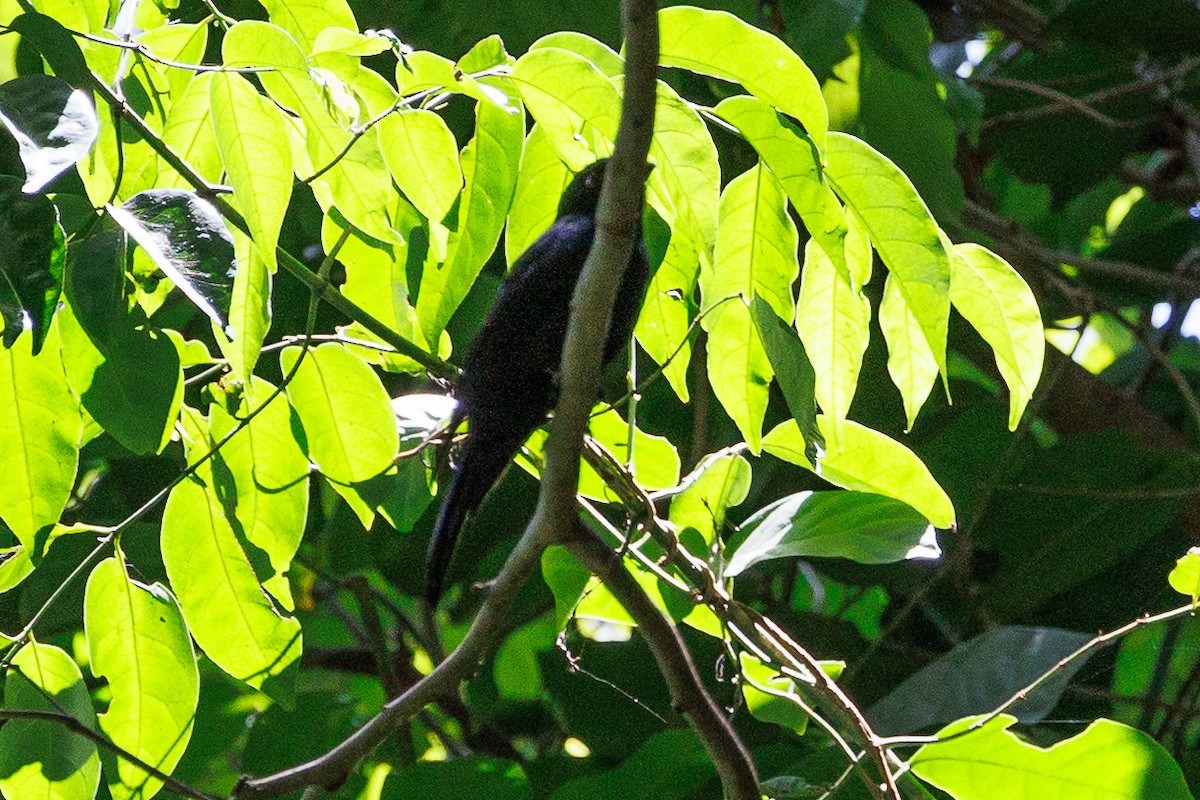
x=509 y=378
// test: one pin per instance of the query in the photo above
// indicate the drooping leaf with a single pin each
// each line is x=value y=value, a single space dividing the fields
x=269 y=472
x=41 y=426
x=139 y=643
x=912 y=365
x=253 y=142
x=31 y=263
x=227 y=611
x=998 y=303
x=901 y=229
x=129 y=378
x=792 y=368
x=833 y=319
x=490 y=163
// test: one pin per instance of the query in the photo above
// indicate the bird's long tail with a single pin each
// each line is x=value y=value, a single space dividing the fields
x=479 y=466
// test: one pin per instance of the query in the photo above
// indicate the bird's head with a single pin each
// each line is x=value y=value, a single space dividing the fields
x=583 y=194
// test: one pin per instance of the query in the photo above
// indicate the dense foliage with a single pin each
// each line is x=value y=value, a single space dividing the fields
x=242 y=249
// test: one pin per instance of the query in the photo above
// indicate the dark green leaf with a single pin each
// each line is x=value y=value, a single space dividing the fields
x=54 y=124
x=31 y=262
x=792 y=368
x=189 y=241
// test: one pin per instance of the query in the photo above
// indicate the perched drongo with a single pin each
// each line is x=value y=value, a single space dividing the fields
x=509 y=379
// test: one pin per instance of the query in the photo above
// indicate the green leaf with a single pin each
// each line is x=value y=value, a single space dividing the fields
x=138 y=642
x=654 y=461
x=490 y=163
x=602 y=57
x=772 y=697
x=755 y=256
x=1000 y=305
x=1185 y=575
x=1108 y=760
x=422 y=157
x=269 y=472
x=41 y=426
x=542 y=179
x=720 y=482
x=864 y=460
x=377 y=280
x=54 y=124
x=756 y=245
x=902 y=230
x=190 y=135
x=230 y=617
x=866 y=528
x=41 y=758
x=981 y=674
x=16 y=564
x=347 y=417
x=796 y=163
x=792 y=368
x=738 y=369
x=833 y=319
x=31 y=262
x=911 y=364
x=253 y=142
x=181 y=42
x=350 y=43
x=719 y=44
x=129 y=379
x=665 y=322
x=187 y=239
x=305 y=20
x=249 y=309
x=572 y=101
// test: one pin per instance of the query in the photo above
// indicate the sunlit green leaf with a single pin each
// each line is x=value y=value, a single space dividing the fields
x=720 y=482
x=253 y=142
x=902 y=230
x=911 y=364
x=859 y=458
x=866 y=528
x=1107 y=760
x=1000 y=305
x=833 y=320
x=490 y=163
x=422 y=157
x=139 y=643
x=719 y=44
x=1185 y=576
x=270 y=478
x=227 y=612
x=41 y=758
x=347 y=418
x=40 y=425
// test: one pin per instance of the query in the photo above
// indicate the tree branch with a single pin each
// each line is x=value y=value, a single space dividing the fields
x=688 y=695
